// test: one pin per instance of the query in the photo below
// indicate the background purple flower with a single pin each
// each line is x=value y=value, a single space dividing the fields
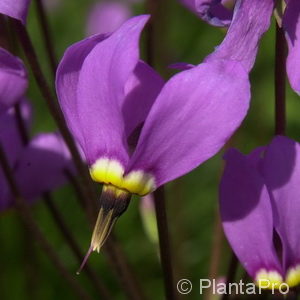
x=260 y=193
x=17 y=9
x=13 y=79
x=107 y=16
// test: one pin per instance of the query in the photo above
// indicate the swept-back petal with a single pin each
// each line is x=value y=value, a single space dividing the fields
x=291 y=25
x=67 y=80
x=16 y=9
x=141 y=90
x=250 y=21
x=107 y=17
x=101 y=90
x=210 y=11
x=192 y=118
x=246 y=214
x=42 y=164
x=281 y=169
x=13 y=80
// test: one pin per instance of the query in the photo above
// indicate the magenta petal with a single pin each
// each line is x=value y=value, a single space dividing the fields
x=291 y=25
x=67 y=81
x=13 y=80
x=192 y=118
x=42 y=164
x=100 y=91
x=107 y=17
x=282 y=172
x=141 y=89
x=211 y=11
x=16 y=9
x=250 y=21
x=246 y=214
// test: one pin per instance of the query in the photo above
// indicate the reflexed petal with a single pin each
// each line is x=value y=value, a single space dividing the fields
x=211 y=11
x=246 y=214
x=16 y=9
x=13 y=79
x=10 y=137
x=192 y=118
x=107 y=17
x=282 y=172
x=41 y=165
x=67 y=81
x=251 y=19
x=141 y=89
x=100 y=92
x=291 y=25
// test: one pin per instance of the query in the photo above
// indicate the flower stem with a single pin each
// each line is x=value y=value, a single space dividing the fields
x=56 y=113
x=216 y=252
x=280 y=80
x=121 y=267
x=44 y=26
x=233 y=265
x=69 y=238
x=26 y=215
x=21 y=126
x=164 y=243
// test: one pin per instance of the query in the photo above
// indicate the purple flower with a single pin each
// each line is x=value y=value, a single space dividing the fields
x=214 y=12
x=17 y=9
x=110 y=97
x=39 y=166
x=107 y=17
x=13 y=80
x=259 y=194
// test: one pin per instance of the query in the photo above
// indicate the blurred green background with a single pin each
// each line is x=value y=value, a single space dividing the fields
x=192 y=201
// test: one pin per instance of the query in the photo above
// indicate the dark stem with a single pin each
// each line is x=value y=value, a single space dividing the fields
x=26 y=215
x=69 y=238
x=216 y=251
x=21 y=126
x=280 y=80
x=46 y=36
x=56 y=113
x=164 y=243
x=233 y=265
x=122 y=269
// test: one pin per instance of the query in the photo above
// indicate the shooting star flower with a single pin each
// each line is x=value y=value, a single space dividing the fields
x=113 y=101
x=259 y=194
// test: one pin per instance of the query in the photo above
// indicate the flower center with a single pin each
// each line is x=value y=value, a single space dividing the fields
x=111 y=172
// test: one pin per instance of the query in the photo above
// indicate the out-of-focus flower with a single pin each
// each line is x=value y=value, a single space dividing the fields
x=107 y=17
x=107 y=95
x=260 y=193
x=13 y=80
x=17 y=9
x=215 y=12
x=39 y=166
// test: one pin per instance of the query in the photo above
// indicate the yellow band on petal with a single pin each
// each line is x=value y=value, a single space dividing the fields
x=268 y=279
x=111 y=172
x=293 y=276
